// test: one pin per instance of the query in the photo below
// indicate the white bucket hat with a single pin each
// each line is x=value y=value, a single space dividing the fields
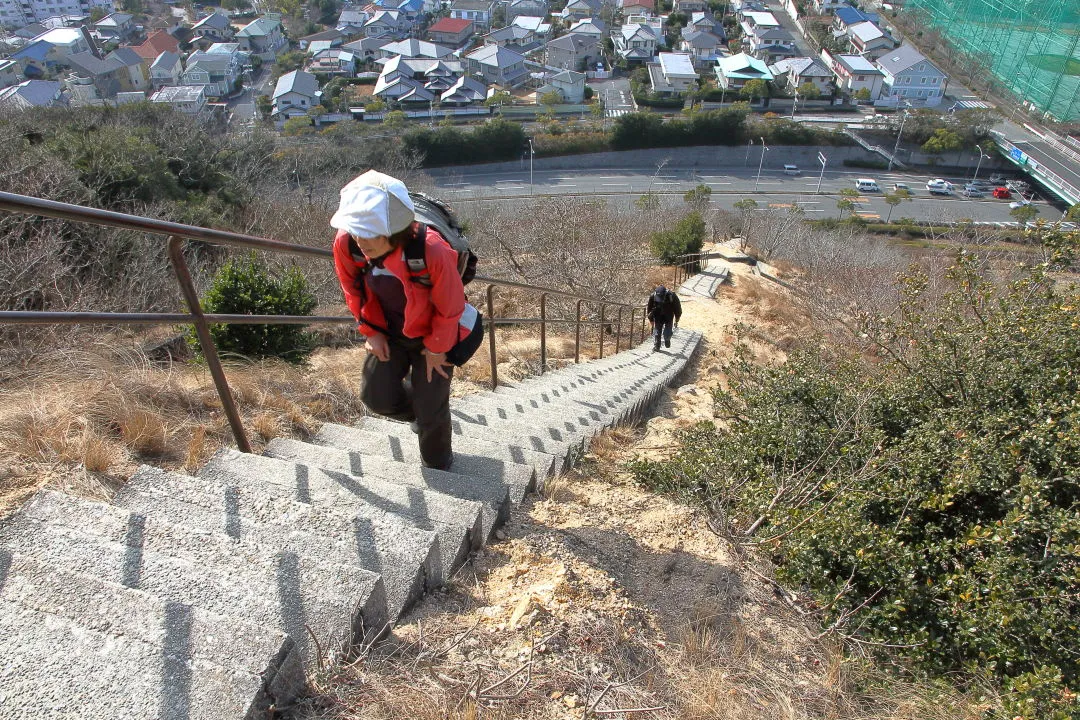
x=374 y=205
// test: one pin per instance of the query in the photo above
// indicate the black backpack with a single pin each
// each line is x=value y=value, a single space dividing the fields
x=431 y=212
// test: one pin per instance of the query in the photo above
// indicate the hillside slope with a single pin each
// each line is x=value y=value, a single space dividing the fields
x=603 y=600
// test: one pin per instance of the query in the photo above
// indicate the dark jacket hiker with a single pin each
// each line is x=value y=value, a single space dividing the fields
x=663 y=309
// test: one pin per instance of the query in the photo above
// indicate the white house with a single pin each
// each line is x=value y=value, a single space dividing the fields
x=188 y=99
x=479 y=11
x=636 y=43
x=908 y=75
x=497 y=66
x=868 y=40
x=263 y=37
x=673 y=73
x=296 y=92
x=854 y=73
x=166 y=70
x=569 y=84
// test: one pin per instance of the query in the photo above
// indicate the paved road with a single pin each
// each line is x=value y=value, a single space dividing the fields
x=729 y=185
x=616 y=95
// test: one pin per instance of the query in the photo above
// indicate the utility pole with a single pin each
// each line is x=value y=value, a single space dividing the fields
x=764 y=149
x=903 y=119
x=795 y=103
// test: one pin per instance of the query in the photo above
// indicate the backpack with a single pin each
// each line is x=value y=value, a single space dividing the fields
x=431 y=212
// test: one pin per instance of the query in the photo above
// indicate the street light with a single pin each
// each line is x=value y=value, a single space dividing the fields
x=746 y=160
x=764 y=149
x=821 y=159
x=903 y=119
x=795 y=103
x=979 y=164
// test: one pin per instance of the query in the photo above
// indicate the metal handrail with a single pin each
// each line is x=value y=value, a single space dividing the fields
x=178 y=233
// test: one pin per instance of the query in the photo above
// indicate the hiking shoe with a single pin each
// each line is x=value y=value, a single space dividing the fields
x=415 y=427
x=667 y=343
x=656 y=347
x=444 y=466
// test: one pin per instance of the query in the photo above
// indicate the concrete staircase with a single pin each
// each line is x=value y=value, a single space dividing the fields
x=210 y=596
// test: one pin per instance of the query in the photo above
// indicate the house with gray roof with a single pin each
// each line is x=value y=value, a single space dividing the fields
x=796 y=72
x=120 y=71
x=909 y=76
x=9 y=73
x=388 y=24
x=569 y=84
x=333 y=61
x=115 y=27
x=166 y=70
x=466 y=91
x=33 y=94
x=333 y=36
x=366 y=49
x=413 y=48
x=497 y=66
x=220 y=72
x=263 y=37
x=580 y=10
x=213 y=28
x=296 y=92
x=572 y=52
x=351 y=21
x=636 y=43
x=590 y=26
x=704 y=48
x=514 y=37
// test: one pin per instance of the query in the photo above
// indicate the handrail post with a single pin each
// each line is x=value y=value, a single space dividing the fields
x=491 y=336
x=618 y=330
x=543 y=332
x=630 y=327
x=577 y=335
x=603 y=306
x=644 y=317
x=206 y=342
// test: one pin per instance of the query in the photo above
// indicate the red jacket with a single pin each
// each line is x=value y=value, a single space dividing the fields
x=431 y=313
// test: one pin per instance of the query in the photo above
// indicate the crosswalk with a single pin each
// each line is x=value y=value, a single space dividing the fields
x=619 y=112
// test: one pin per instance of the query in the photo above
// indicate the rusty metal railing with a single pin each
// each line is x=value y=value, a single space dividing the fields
x=178 y=234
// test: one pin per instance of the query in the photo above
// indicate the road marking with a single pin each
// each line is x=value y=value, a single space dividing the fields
x=515 y=180
x=453 y=184
x=674 y=183
x=565 y=178
x=614 y=184
x=612 y=177
x=568 y=186
x=717 y=183
x=779 y=205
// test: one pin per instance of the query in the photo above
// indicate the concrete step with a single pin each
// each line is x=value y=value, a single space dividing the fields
x=331 y=494
x=342 y=606
x=571 y=419
x=572 y=436
x=56 y=669
x=397 y=440
x=493 y=492
x=200 y=661
x=407 y=558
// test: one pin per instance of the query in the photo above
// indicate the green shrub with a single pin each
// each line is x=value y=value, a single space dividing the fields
x=687 y=236
x=925 y=490
x=247 y=287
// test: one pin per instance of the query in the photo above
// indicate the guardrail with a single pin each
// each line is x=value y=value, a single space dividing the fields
x=1068 y=191
x=178 y=234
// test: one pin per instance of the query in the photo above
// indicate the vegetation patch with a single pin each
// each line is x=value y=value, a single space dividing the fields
x=923 y=481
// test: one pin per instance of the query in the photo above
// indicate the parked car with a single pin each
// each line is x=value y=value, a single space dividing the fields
x=1019 y=203
x=983 y=183
x=973 y=191
x=1002 y=193
x=792 y=170
x=998 y=179
x=939 y=187
x=1017 y=186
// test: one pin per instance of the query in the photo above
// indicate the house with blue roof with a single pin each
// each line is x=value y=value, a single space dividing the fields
x=847 y=16
x=410 y=9
x=35 y=59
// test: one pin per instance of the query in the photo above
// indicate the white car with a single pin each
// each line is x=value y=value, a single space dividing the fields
x=1019 y=203
x=939 y=187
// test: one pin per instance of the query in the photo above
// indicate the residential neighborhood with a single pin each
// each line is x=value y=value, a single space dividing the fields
x=430 y=58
